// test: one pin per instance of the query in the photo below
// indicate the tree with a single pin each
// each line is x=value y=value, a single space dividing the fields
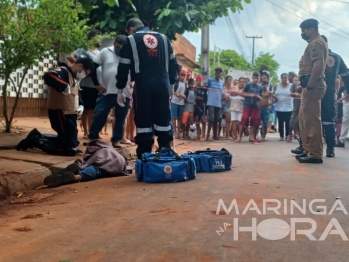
x=168 y=17
x=227 y=59
x=31 y=31
x=267 y=60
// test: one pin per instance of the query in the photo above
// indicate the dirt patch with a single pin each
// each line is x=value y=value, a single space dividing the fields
x=159 y=211
x=23 y=229
x=32 y=198
x=221 y=213
x=32 y=216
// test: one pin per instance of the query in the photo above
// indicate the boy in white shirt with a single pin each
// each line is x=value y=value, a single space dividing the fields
x=177 y=103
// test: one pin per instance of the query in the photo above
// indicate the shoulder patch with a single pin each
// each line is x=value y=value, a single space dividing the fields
x=150 y=41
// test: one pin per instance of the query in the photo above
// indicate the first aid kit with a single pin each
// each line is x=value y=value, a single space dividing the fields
x=165 y=166
x=211 y=160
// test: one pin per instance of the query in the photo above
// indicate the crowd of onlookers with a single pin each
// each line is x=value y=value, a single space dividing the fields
x=228 y=107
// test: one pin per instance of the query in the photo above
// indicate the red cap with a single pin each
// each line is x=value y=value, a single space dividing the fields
x=183 y=72
x=199 y=78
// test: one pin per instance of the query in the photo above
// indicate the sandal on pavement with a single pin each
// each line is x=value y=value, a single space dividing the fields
x=125 y=142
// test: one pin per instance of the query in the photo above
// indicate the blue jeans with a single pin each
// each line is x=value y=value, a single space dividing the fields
x=264 y=116
x=90 y=173
x=103 y=106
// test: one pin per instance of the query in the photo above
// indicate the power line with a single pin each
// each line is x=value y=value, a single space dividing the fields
x=319 y=18
x=249 y=19
x=303 y=19
x=340 y=1
x=255 y=13
x=230 y=25
x=240 y=26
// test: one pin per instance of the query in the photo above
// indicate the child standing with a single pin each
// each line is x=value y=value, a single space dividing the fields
x=177 y=103
x=200 y=108
x=188 y=112
x=268 y=99
x=252 y=92
x=236 y=107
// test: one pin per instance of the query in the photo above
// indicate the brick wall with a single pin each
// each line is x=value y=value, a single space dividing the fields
x=183 y=46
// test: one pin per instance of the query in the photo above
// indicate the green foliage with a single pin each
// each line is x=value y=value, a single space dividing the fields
x=33 y=30
x=106 y=16
x=227 y=59
x=267 y=59
x=169 y=17
x=231 y=59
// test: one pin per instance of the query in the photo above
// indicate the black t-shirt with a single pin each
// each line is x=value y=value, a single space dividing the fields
x=201 y=92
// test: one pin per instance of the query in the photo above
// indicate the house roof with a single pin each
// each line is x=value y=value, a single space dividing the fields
x=182 y=57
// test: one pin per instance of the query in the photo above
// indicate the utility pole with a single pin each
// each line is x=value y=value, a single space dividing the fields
x=219 y=56
x=205 y=52
x=214 y=55
x=253 y=37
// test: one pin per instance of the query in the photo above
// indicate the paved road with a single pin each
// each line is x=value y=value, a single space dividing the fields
x=119 y=219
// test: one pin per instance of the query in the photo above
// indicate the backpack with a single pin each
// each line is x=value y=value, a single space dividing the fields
x=177 y=84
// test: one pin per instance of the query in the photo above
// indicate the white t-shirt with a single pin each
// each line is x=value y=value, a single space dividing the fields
x=109 y=61
x=285 y=103
x=181 y=89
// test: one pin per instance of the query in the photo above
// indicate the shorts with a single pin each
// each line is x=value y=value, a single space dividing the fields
x=89 y=97
x=199 y=111
x=214 y=114
x=294 y=122
x=188 y=118
x=225 y=109
x=271 y=117
x=177 y=111
x=235 y=116
x=264 y=116
x=253 y=113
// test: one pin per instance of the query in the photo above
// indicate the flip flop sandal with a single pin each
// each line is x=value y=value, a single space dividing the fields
x=125 y=142
x=256 y=143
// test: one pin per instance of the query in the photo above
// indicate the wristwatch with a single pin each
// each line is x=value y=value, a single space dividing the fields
x=309 y=87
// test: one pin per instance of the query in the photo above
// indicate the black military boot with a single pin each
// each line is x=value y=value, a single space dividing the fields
x=299 y=150
x=330 y=152
x=59 y=180
x=330 y=138
x=300 y=155
x=73 y=168
x=29 y=141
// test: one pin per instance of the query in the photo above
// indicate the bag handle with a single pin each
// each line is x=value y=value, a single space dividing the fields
x=166 y=150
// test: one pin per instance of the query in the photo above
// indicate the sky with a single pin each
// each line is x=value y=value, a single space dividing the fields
x=278 y=22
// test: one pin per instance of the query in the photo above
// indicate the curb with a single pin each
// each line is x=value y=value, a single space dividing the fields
x=12 y=182
x=15 y=182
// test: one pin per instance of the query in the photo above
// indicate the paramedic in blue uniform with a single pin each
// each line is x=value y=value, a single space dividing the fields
x=335 y=66
x=154 y=68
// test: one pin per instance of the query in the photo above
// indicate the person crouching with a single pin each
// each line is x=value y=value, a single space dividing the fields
x=64 y=105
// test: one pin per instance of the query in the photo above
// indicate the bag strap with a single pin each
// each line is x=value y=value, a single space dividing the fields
x=166 y=150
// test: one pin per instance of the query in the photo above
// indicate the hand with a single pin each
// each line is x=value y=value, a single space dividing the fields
x=121 y=99
x=101 y=89
x=80 y=110
x=66 y=91
x=346 y=98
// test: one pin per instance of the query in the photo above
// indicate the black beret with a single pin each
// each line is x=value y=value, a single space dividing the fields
x=306 y=24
